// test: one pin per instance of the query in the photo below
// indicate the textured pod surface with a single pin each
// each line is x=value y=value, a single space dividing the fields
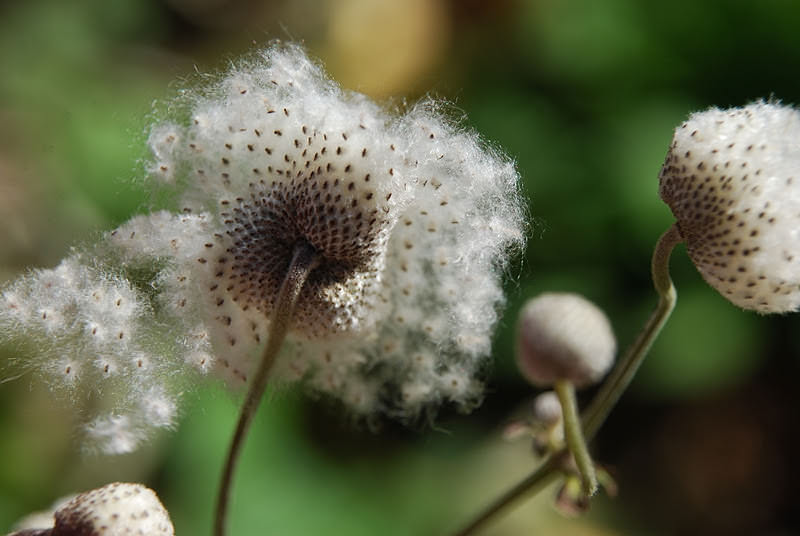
x=562 y=336
x=117 y=509
x=114 y=510
x=732 y=180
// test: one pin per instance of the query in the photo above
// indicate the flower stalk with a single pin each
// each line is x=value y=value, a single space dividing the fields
x=536 y=481
x=304 y=260
x=622 y=374
x=573 y=434
x=608 y=395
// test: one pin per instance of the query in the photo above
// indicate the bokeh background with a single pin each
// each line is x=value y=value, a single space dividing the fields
x=584 y=94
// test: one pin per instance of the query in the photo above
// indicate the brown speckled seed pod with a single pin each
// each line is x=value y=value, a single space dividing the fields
x=116 y=509
x=732 y=180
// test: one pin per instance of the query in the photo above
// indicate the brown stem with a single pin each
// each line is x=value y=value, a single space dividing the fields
x=304 y=260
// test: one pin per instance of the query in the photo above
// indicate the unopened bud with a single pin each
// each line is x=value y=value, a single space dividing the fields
x=547 y=408
x=563 y=336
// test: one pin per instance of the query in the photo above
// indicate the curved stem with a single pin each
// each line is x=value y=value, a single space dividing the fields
x=612 y=388
x=540 y=478
x=626 y=368
x=304 y=260
x=574 y=436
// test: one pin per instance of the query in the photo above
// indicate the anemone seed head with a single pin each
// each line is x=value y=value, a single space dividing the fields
x=412 y=217
x=732 y=180
x=118 y=508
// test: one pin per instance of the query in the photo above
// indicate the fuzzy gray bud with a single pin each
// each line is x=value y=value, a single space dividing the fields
x=562 y=336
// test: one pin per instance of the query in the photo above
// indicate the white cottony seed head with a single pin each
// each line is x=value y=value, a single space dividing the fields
x=95 y=335
x=732 y=180
x=564 y=337
x=114 y=510
x=413 y=220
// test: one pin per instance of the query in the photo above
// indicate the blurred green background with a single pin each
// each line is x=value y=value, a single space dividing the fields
x=584 y=94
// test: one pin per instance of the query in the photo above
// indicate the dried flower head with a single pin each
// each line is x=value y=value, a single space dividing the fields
x=732 y=180
x=114 y=509
x=411 y=216
x=563 y=336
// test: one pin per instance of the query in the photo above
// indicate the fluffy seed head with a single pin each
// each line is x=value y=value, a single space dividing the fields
x=564 y=336
x=406 y=213
x=413 y=219
x=95 y=333
x=114 y=510
x=732 y=180
x=272 y=168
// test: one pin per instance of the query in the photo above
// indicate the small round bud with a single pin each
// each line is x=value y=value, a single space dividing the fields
x=115 y=509
x=732 y=180
x=564 y=337
x=547 y=408
x=548 y=423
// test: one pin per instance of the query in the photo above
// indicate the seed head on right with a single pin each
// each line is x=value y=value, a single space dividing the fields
x=732 y=181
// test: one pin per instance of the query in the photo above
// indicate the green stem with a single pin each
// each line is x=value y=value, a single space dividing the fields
x=619 y=379
x=304 y=260
x=612 y=388
x=574 y=436
x=539 y=479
